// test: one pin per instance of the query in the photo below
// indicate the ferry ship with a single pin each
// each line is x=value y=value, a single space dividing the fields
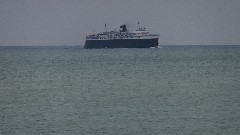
x=140 y=38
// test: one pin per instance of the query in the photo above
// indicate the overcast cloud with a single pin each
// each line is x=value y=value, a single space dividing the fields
x=67 y=22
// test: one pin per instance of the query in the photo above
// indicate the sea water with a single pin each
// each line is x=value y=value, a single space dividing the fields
x=168 y=91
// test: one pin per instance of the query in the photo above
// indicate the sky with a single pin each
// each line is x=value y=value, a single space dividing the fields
x=68 y=22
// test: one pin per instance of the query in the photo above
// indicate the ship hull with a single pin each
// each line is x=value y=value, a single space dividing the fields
x=121 y=43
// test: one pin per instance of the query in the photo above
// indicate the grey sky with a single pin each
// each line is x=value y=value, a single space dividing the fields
x=67 y=22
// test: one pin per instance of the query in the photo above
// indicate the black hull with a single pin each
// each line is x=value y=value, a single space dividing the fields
x=121 y=43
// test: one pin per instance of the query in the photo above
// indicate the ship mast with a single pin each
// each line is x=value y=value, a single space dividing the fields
x=138 y=25
x=105 y=27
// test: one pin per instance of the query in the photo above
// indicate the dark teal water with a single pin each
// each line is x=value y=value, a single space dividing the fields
x=172 y=90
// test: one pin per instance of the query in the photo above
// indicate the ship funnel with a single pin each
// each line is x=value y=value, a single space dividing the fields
x=123 y=28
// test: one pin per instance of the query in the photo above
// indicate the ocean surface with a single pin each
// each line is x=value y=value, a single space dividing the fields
x=173 y=90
